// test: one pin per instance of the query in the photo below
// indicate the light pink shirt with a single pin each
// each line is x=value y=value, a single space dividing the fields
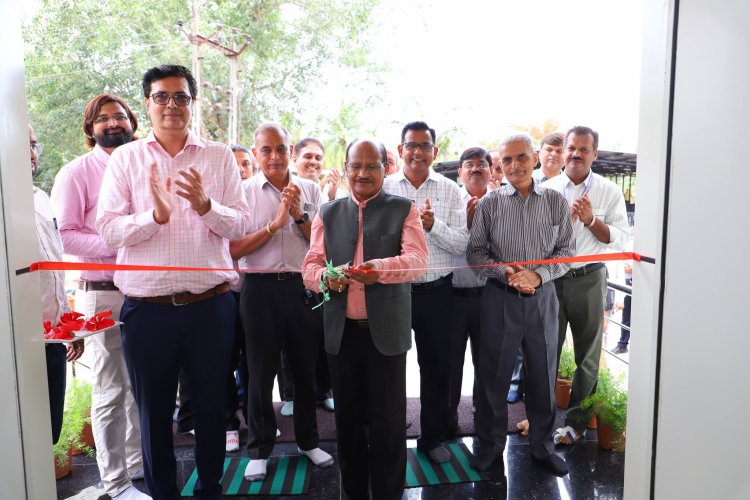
x=125 y=217
x=285 y=251
x=405 y=267
x=74 y=198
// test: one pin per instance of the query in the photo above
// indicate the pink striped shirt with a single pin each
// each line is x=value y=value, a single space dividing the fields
x=125 y=217
x=74 y=198
x=408 y=266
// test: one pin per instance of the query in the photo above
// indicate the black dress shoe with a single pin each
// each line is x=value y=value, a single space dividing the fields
x=485 y=457
x=554 y=464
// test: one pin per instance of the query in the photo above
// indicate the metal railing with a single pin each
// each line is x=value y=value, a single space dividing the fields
x=629 y=291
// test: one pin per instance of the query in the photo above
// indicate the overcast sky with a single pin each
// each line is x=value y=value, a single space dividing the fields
x=484 y=66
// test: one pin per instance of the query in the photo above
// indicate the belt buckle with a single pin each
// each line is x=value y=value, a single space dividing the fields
x=280 y=276
x=174 y=302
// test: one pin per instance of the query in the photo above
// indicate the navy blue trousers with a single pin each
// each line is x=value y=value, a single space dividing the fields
x=158 y=339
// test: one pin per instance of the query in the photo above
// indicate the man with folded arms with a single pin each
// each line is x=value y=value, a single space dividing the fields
x=443 y=215
x=600 y=225
x=368 y=320
x=276 y=309
x=518 y=222
x=174 y=199
x=108 y=123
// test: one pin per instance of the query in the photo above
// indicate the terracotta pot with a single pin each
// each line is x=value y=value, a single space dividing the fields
x=87 y=438
x=562 y=392
x=608 y=439
x=62 y=471
x=592 y=423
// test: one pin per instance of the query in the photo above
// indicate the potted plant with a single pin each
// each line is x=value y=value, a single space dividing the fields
x=565 y=370
x=610 y=404
x=75 y=417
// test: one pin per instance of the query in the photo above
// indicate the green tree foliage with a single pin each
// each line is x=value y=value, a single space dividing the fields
x=76 y=49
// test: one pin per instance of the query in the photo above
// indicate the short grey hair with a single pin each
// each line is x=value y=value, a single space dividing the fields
x=525 y=138
x=272 y=126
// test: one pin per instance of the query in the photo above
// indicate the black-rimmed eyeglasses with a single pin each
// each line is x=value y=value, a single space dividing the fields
x=163 y=98
x=424 y=146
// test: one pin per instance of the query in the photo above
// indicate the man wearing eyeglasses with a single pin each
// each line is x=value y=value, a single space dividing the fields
x=392 y=164
x=52 y=294
x=379 y=239
x=444 y=221
x=108 y=123
x=468 y=285
x=174 y=199
x=276 y=309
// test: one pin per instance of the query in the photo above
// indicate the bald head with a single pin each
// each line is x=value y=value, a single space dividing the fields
x=365 y=168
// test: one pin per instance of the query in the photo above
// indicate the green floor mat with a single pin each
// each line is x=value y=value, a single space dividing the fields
x=420 y=471
x=284 y=476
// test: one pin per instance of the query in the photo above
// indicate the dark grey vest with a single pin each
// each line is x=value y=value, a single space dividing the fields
x=388 y=306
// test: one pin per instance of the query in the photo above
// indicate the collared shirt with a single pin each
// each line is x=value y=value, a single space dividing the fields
x=538 y=175
x=405 y=267
x=509 y=228
x=286 y=250
x=75 y=196
x=125 y=217
x=54 y=300
x=463 y=276
x=608 y=205
x=448 y=236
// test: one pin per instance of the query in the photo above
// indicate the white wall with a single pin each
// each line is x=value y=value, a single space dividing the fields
x=650 y=179
x=702 y=437
x=26 y=469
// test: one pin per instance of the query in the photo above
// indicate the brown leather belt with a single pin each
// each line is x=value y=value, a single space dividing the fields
x=358 y=323
x=97 y=286
x=185 y=298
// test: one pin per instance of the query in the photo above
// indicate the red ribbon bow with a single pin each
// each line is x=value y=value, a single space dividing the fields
x=71 y=322
x=100 y=321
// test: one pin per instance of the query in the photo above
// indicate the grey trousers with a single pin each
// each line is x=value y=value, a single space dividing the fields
x=582 y=305
x=507 y=322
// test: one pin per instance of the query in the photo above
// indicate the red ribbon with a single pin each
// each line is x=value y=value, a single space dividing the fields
x=87 y=266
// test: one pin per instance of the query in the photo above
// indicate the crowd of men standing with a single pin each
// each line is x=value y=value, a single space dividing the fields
x=402 y=241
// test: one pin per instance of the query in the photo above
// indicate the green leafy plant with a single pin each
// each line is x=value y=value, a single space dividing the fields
x=75 y=417
x=610 y=401
x=567 y=365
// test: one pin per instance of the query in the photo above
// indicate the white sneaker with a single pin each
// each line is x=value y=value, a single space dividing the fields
x=131 y=493
x=233 y=441
x=256 y=469
x=287 y=409
x=317 y=456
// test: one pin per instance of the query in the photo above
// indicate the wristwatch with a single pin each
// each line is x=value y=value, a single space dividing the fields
x=304 y=218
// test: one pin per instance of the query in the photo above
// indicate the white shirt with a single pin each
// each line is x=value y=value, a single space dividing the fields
x=54 y=300
x=608 y=205
x=463 y=276
x=448 y=236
